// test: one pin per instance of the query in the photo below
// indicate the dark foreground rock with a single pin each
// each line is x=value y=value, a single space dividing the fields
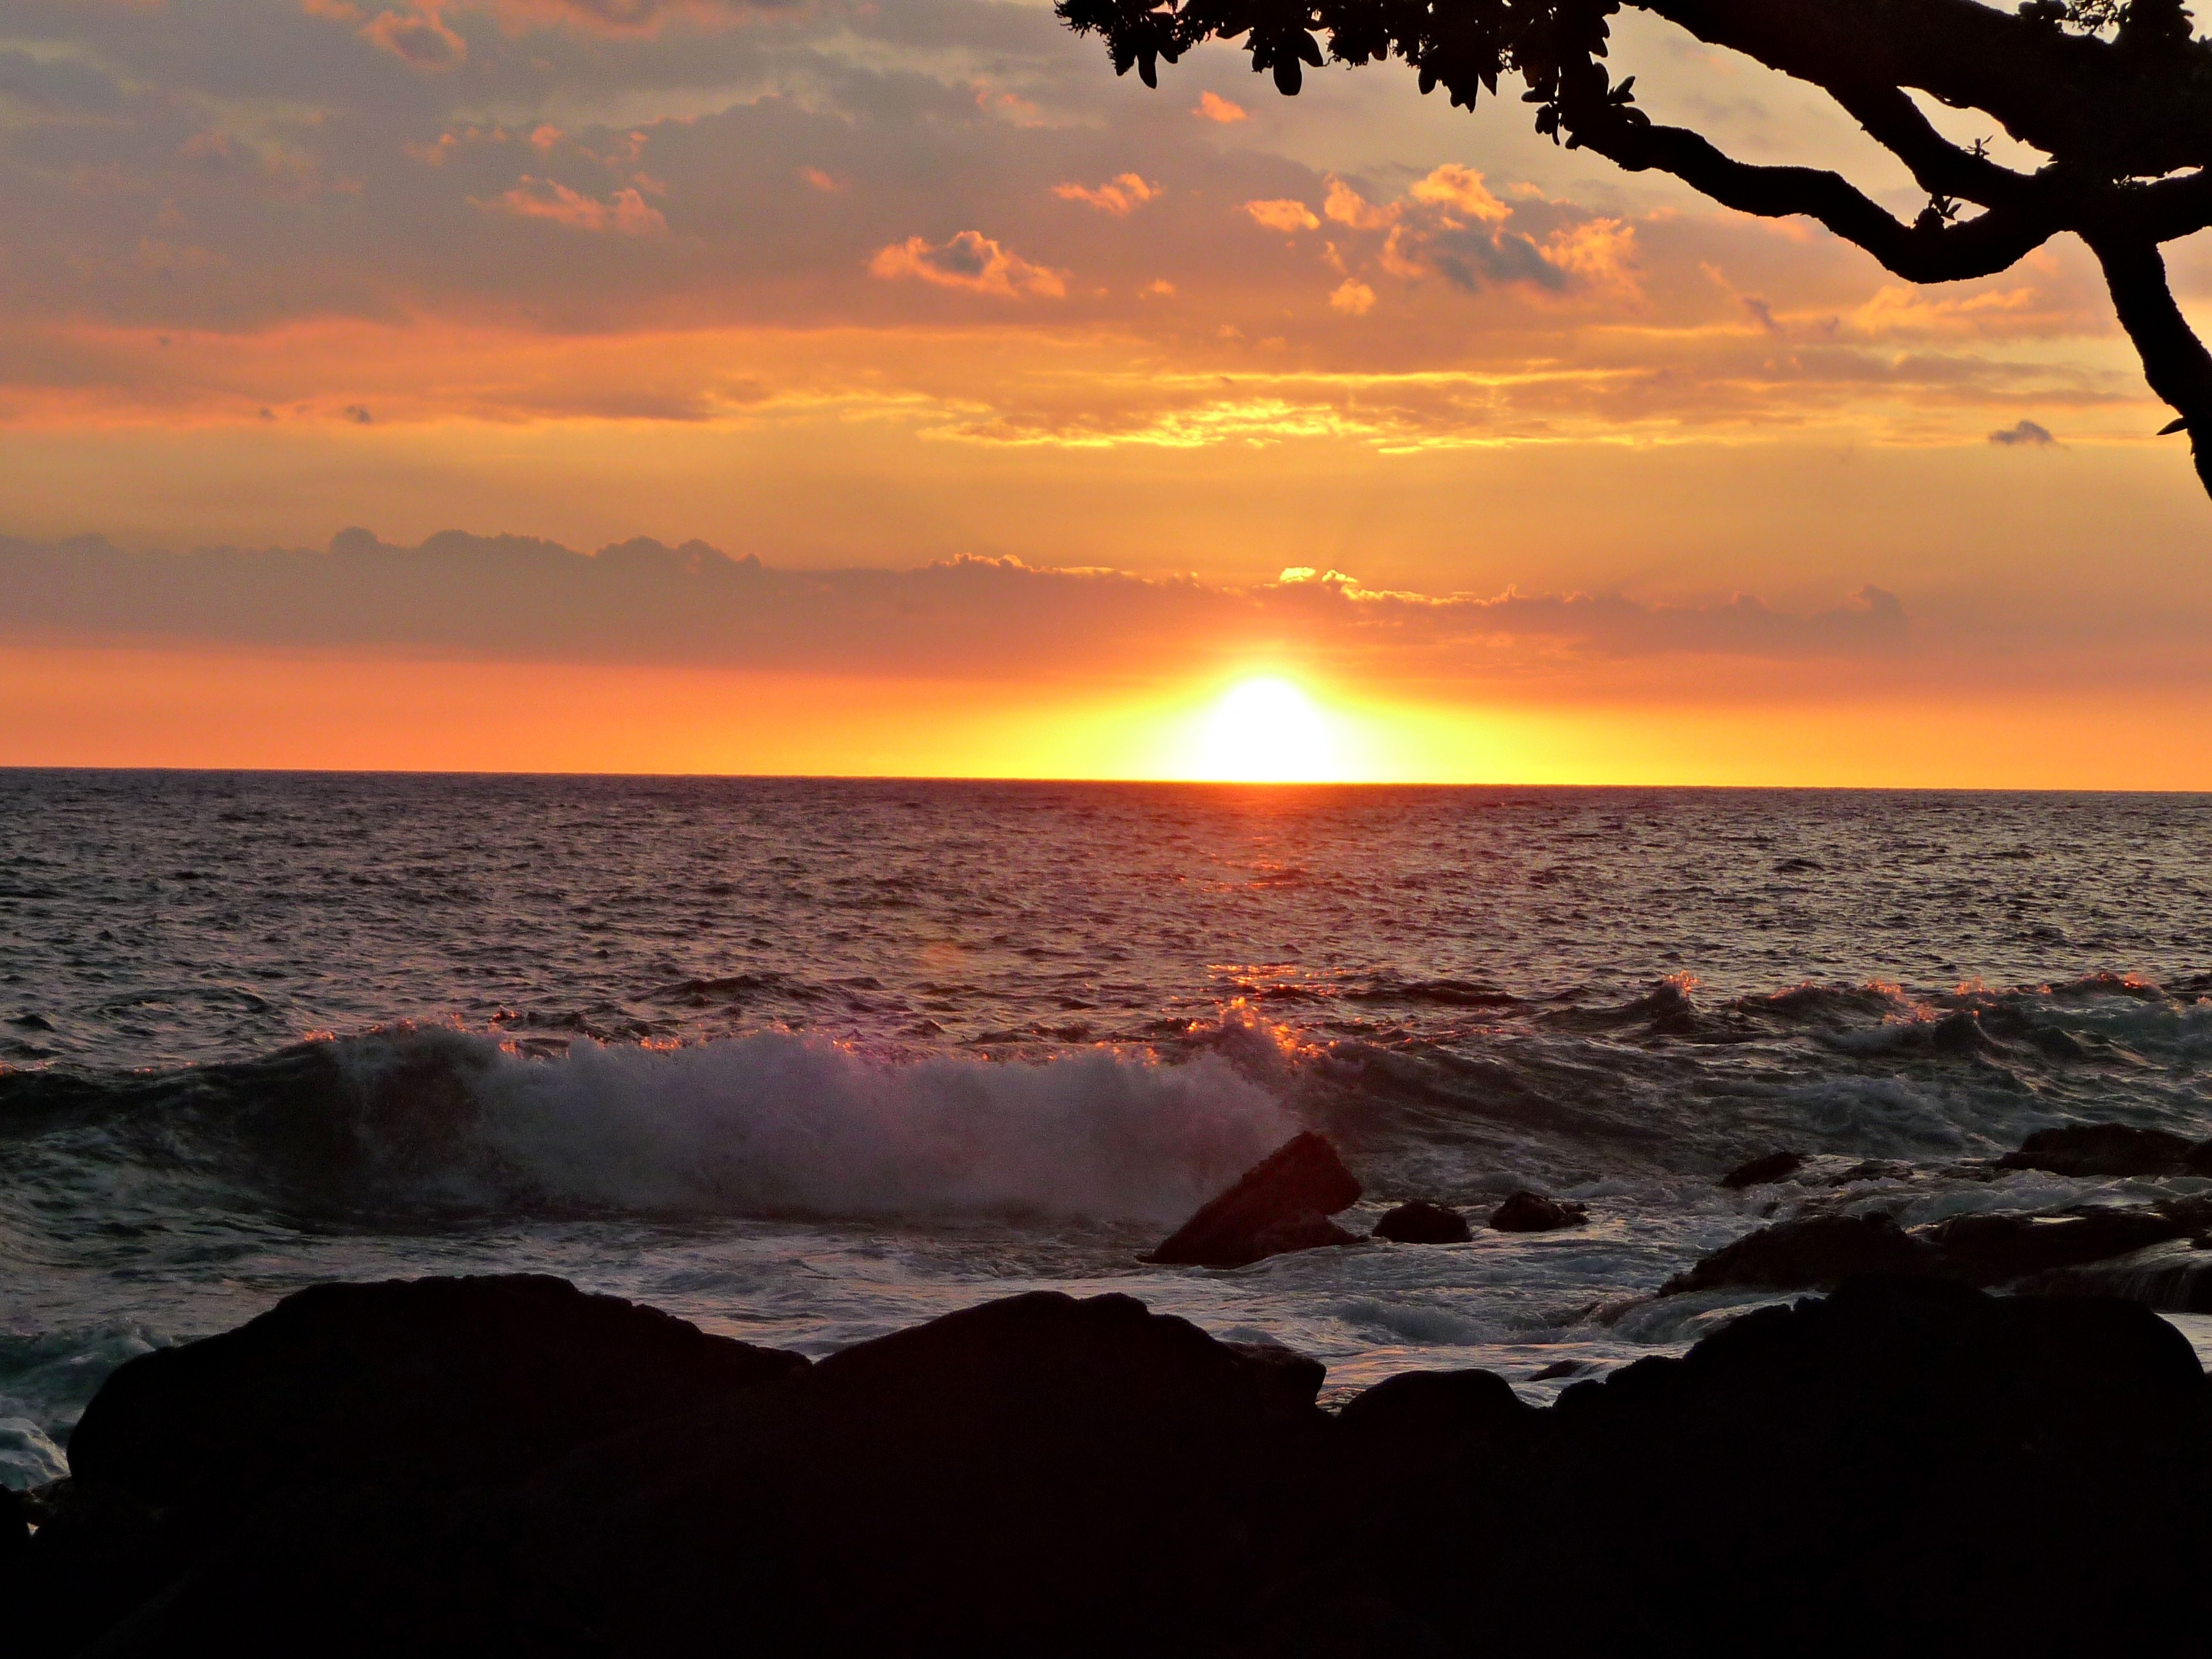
x=1905 y=1466
x=2115 y=1149
x=1282 y=1203
x=1423 y=1223
x=361 y=1395
x=1533 y=1213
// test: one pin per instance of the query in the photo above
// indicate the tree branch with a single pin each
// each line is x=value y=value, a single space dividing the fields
x=1920 y=254
x=2174 y=359
x=2131 y=111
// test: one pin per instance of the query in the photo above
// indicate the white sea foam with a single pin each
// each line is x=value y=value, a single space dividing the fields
x=778 y=1124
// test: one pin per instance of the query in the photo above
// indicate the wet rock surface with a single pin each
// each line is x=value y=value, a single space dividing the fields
x=1813 y=1252
x=1533 y=1213
x=1048 y=1474
x=1282 y=1203
x=1423 y=1223
x=1758 y=1171
x=2110 y=1149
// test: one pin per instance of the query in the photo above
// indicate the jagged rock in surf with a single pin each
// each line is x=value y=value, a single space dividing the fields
x=1758 y=1171
x=2174 y=1277
x=1420 y=1222
x=1872 y=1168
x=1809 y=1253
x=2117 y=1150
x=1985 y=1248
x=1280 y=1204
x=1992 y=1249
x=1533 y=1213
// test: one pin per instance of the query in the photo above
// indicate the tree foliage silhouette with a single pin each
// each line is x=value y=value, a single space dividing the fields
x=2117 y=93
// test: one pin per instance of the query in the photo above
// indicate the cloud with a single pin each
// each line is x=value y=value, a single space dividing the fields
x=418 y=38
x=1352 y=297
x=519 y=598
x=626 y=213
x=1119 y=195
x=2023 y=432
x=970 y=260
x=1460 y=190
x=1213 y=108
x=1282 y=214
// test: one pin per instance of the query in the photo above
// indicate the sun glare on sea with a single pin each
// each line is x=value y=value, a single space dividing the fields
x=1266 y=730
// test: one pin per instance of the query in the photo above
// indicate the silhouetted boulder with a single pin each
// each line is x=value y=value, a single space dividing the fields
x=1811 y=1252
x=478 y=1379
x=2101 y=1149
x=1758 y=1171
x=1281 y=1203
x=1532 y=1213
x=1038 y=1474
x=1894 y=1454
x=15 y=1526
x=1423 y=1223
x=1433 y=1406
x=1048 y=1475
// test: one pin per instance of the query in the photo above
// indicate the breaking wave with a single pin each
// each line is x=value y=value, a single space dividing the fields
x=440 y=1120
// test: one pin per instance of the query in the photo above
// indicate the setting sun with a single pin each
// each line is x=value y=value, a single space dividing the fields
x=1268 y=731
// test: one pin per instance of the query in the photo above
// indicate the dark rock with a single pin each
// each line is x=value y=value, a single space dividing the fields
x=1532 y=1213
x=1423 y=1223
x=1872 y=1169
x=1302 y=1230
x=1775 y=1166
x=343 y=1396
x=1038 y=1474
x=2011 y=1475
x=15 y=1526
x=2101 y=1149
x=1280 y=1204
x=1810 y=1252
x=1429 y=1406
x=480 y=1379
x=1994 y=1248
x=1904 y=1438
x=2174 y=1278
x=1559 y=1369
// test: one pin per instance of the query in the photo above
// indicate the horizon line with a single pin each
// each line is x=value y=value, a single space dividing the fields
x=6 y=767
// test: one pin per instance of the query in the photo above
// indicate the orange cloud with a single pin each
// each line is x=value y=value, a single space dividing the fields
x=1602 y=253
x=1213 y=108
x=1352 y=297
x=970 y=260
x=1119 y=195
x=625 y=214
x=1346 y=206
x=1283 y=214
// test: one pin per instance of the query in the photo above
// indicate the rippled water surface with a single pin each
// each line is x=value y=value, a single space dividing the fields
x=807 y=1060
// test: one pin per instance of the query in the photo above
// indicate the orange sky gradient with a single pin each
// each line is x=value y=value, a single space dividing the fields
x=1525 y=470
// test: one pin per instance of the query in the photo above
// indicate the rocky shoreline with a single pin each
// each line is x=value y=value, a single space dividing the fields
x=508 y=1465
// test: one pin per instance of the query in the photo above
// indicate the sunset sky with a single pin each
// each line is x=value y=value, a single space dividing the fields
x=835 y=387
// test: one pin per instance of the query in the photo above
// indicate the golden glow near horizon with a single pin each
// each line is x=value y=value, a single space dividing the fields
x=1267 y=730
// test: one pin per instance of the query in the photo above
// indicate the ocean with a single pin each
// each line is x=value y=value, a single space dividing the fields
x=806 y=1061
